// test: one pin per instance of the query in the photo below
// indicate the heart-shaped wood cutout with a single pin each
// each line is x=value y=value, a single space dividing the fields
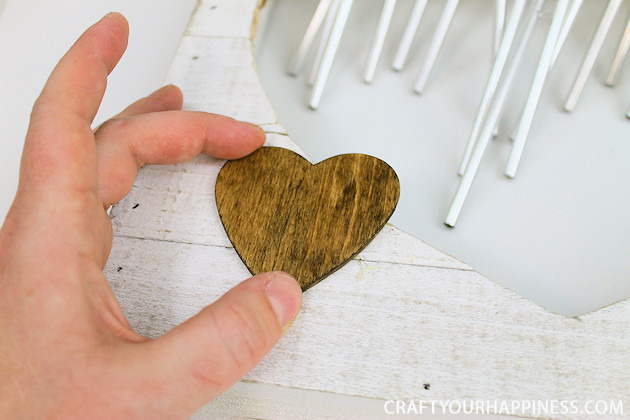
x=283 y=213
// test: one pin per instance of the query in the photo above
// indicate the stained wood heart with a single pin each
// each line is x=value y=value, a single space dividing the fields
x=283 y=213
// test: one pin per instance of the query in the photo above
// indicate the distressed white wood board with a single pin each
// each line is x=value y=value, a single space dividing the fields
x=400 y=315
x=246 y=399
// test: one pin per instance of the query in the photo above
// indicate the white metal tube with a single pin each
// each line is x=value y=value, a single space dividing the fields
x=493 y=118
x=620 y=56
x=330 y=52
x=436 y=44
x=331 y=15
x=536 y=90
x=592 y=53
x=309 y=36
x=499 y=24
x=379 y=39
x=408 y=35
x=534 y=15
x=572 y=12
x=495 y=76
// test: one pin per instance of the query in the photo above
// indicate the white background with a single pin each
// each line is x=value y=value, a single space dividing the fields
x=34 y=34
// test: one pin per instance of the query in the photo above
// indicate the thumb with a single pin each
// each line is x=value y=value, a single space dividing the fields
x=203 y=357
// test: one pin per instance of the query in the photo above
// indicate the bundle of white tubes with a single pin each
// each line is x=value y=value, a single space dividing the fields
x=511 y=36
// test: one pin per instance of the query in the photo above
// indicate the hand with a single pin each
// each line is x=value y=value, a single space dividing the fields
x=66 y=348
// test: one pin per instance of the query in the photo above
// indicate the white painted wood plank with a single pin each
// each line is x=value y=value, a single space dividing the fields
x=382 y=330
x=218 y=75
x=223 y=18
x=394 y=245
x=274 y=128
x=256 y=400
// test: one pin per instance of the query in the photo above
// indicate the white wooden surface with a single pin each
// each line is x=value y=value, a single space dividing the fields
x=398 y=316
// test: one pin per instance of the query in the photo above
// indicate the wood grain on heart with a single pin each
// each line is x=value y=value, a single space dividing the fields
x=283 y=213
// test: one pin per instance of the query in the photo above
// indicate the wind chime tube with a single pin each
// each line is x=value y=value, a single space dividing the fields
x=494 y=78
x=493 y=117
x=323 y=40
x=309 y=36
x=620 y=56
x=499 y=25
x=574 y=8
x=330 y=52
x=534 y=15
x=408 y=35
x=500 y=7
x=436 y=45
x=591 y=55
x=379 y=39
x=536 y=90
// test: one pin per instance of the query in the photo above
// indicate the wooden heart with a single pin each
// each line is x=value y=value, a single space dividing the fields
x=283 y=213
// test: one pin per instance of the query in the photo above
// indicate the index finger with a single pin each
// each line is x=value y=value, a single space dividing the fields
x=78 y=82
x=60 y=137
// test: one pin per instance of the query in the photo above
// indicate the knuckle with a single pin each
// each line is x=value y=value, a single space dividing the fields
x=236 y=342
x=208 y=377
x=110 y=125
x=243 y=335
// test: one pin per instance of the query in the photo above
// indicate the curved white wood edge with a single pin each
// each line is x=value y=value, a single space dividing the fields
x=398 y=316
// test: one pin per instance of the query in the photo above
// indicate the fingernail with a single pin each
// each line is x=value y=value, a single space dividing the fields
x=285 y=295
x=160 y=90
